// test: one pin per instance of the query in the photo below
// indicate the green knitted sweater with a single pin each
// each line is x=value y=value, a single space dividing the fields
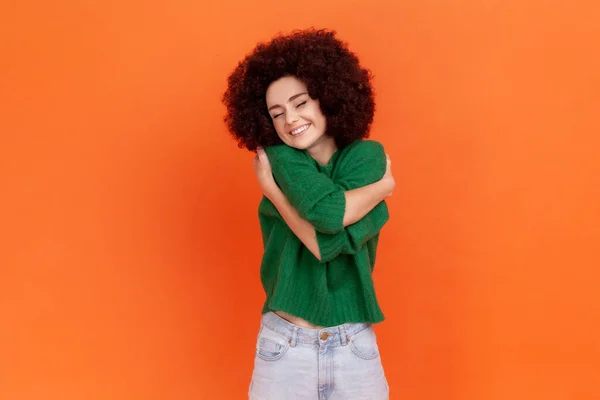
x=339 y=288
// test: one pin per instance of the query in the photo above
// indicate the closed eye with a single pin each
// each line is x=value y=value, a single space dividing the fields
x=298 y=105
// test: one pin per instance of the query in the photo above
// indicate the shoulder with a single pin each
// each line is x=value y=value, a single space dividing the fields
x=364 y=150
x=369 y=148
x=363 y=161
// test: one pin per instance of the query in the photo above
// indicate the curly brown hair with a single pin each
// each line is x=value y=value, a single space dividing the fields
x=324 y=64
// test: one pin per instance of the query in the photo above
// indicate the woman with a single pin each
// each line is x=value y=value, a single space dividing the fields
x=305 y=105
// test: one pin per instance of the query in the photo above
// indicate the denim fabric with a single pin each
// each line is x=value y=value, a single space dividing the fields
x=334 y=363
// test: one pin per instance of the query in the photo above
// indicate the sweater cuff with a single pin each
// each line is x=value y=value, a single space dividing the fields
x=328 y=215
x=330 y=246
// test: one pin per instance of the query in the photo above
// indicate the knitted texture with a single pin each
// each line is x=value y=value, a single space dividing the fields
x=339 y=288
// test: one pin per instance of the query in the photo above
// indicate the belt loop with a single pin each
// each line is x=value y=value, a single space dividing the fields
x=294 y=338
x=343 y=338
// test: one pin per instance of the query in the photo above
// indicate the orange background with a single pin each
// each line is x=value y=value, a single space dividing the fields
x=130 y=246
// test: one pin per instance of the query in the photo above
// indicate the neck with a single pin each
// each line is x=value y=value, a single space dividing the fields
x=323 y=150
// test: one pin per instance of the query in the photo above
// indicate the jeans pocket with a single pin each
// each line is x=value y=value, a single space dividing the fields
x=271 y=346
x=364 y=344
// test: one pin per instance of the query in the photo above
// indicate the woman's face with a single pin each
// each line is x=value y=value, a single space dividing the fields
x=297 y=118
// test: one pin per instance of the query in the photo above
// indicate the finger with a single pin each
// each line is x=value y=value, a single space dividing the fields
x=262 y=156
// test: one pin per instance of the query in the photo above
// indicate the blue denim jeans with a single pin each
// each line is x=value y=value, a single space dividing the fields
x=335 y=363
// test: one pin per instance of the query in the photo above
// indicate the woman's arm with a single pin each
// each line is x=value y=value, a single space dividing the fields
x=330 y=206
x=366 y=197
x=303 y=229
x=359 y=202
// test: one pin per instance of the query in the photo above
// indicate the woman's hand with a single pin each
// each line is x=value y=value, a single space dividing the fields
x=262 y=169
x=388 y=180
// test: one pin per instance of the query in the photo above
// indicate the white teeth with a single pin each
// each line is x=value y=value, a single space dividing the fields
x=300 y=130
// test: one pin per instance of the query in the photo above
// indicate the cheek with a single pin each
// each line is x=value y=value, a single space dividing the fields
x=318 y=117
x=323 y=122
x=279 y=129
x=320 y=121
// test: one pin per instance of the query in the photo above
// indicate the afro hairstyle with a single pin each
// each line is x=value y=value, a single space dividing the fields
x=324 y=64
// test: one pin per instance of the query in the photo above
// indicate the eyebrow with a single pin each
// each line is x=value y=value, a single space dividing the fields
x=290 y=99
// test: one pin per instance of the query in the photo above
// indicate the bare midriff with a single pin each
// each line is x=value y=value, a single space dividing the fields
x=297 y=320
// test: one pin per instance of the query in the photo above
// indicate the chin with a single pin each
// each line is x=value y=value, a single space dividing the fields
x=300 y=143
x=302 y=146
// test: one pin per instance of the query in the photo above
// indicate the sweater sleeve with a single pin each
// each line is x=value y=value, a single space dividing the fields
x=321 y=201
x=315 y=196
x=365 y=163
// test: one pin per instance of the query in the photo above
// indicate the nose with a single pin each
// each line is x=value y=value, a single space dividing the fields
x=291 y=118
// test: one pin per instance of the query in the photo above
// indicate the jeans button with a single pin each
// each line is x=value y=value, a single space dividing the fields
x=324 y=336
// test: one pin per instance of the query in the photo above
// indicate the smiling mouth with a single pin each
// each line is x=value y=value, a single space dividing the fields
x=300 y=130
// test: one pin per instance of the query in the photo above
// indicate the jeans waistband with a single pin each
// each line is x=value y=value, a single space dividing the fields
x=296 y=334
